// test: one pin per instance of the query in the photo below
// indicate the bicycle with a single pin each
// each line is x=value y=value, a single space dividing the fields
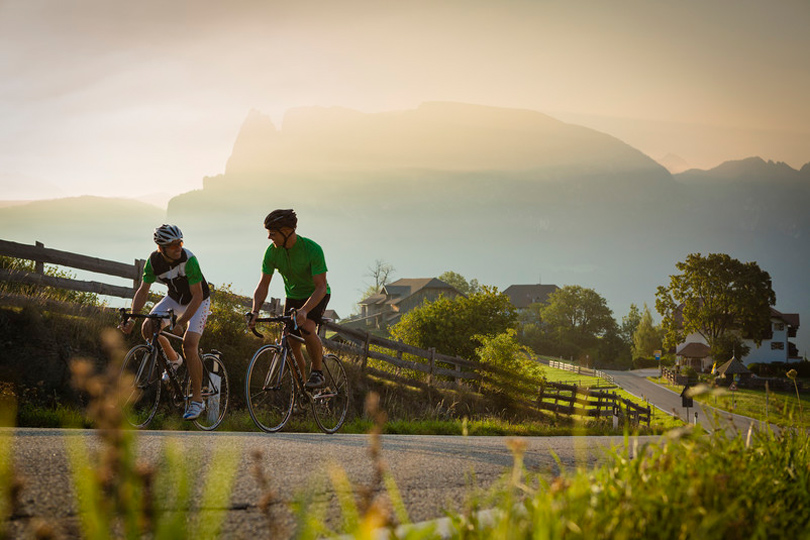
x=147 y=370
x=274 y=383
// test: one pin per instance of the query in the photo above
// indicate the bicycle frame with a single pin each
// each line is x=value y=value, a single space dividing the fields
x=286 y=351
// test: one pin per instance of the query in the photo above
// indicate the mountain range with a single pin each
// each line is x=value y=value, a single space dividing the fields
x=504 y=196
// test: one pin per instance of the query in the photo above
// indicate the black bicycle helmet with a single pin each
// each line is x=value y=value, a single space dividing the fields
x=166 y=234
x=281 y=218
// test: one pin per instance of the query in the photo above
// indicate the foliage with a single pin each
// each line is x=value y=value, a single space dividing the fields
x=576 y=322
x=460 y=283
x=225 y=331
x=747 y=486
x=630 y=324
x=717 y=297
x=647 y=338
x=449 y=325
x=520 y=375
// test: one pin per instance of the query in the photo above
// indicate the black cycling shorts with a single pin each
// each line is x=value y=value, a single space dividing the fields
x=317 y=312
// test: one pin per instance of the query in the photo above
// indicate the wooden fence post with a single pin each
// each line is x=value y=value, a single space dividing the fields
x=39 y=266
x=365 y=351
x=139 y=266
x=432 y=365
x=573 y=399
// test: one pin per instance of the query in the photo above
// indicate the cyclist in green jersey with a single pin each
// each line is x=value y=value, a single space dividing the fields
x=188 y=297
x=301 y=263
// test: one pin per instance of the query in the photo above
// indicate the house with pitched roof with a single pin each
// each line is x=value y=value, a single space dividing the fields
x=395 y=299
x=522 y=296
x=777 y=347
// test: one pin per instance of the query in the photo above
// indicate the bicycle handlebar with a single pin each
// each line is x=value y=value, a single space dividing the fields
x=126 y=316
x=288 y=320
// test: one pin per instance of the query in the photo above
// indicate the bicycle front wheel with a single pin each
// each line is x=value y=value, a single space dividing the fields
x=216 y=389
x=269 y=389
x=140 y=386
x=331 y=403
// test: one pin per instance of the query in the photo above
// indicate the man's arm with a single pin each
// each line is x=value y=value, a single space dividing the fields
x=193 y=305
x=315 y=298
x=141 y=295
x=259 y=296
x=138 y=301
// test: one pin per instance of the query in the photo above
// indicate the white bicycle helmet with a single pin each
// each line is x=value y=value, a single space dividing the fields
x=166 y=234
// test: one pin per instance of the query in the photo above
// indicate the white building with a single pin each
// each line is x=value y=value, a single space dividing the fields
x=694 y=350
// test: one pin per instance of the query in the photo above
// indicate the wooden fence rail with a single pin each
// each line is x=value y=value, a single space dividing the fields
x=41 y=255
x=581 y=370
x=580 y=401
x=360 y=343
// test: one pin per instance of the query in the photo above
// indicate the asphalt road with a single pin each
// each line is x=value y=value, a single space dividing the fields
x=433 y=473
x=636 y=383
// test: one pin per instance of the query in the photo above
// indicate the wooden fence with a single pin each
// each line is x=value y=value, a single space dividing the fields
x=42 y=255
x=579 y=370
x=366 y=345
x=579 y=401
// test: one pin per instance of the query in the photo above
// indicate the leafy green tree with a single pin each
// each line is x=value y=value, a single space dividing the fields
x=521 y=375
x=629 y=324
x=718 y=297
x=647 y=337
x=460 y=283
x=576 y=318
x=449 y=325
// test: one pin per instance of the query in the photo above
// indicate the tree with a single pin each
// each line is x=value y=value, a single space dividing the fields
x=380 y=273
x=629 y=324
x=449 y=325
x=519 y=374
x=647 y=337
x=460 y=283
x=718 y=297
x=577 y=316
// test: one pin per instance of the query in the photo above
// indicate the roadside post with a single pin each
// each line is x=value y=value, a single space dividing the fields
x=660 y=367
x=733 y=389
x=686 y=401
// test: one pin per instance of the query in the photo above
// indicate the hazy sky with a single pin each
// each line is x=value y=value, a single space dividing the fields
x=131 y=98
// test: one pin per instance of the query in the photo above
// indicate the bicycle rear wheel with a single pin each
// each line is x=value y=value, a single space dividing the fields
x=269 y=389
x=140 y=386
x=331 y=403
x=216 y=389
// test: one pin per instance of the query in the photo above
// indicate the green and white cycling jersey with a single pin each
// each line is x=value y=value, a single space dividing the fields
x=177 y=275
x=296 y=265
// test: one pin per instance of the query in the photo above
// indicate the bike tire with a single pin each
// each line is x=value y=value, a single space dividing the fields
x=269 y=389
x=216 y=390
x=330 y=404
x=140 y=382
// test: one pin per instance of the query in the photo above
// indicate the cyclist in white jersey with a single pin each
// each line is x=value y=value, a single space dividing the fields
x=188 y=297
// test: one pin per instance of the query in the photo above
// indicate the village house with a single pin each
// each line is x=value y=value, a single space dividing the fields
x=694 y=351
x=395 y=299
x=522 y=296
